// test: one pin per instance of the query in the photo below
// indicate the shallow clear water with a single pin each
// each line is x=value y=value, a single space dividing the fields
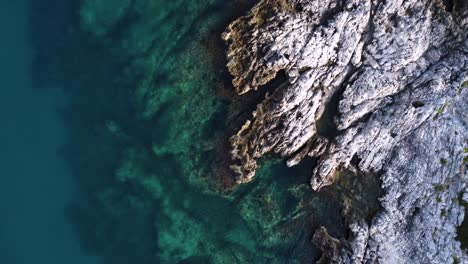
x=115 y=142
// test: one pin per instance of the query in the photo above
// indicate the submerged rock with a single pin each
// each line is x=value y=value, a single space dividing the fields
x=400 y=72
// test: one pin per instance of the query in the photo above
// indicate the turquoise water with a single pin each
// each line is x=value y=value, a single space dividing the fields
x=116 y=142
x=36 y=184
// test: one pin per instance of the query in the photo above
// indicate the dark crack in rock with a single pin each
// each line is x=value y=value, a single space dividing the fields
x=400 y=72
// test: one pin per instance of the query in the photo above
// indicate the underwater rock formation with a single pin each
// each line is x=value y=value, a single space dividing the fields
x=394 y=75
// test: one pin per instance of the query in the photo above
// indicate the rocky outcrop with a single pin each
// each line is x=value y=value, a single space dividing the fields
x=400 y=72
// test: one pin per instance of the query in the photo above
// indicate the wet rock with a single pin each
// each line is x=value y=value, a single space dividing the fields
x=401 y=71
x=331 y=247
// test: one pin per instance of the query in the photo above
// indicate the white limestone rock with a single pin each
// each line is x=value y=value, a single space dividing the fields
x=402 y=69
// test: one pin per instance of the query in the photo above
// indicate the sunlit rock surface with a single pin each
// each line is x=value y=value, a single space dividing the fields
x=399 y=71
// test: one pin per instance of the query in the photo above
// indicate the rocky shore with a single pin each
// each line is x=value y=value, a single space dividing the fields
x=372 y=87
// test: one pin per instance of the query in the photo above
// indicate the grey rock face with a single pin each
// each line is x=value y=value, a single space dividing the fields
x=400 y=69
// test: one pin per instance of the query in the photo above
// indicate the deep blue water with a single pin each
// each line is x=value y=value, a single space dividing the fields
x=35 y=183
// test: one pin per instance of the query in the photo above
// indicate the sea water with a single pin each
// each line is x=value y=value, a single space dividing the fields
x=36 y=184
x=140 y=124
